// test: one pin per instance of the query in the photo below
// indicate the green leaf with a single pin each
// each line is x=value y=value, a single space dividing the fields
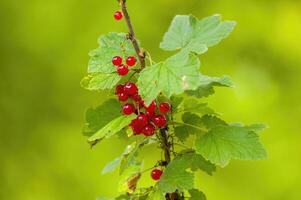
x=223 y=143
x=110 y=45
x=211 y=121
x=129 y=178
x=177 y=74
x=190 y=34
x=111 y=166
x=156 y=194
x=130 y=157
x=191 y=124
x=195 y=161
x=196 y=195
x=175 y=177
x=195 y=106
x=207 y=85
x=98 y=117
x=111 y=128
x=100 y=81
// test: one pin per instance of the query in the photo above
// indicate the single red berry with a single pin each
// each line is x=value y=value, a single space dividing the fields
x=142 y=120
x=152 y=107
x=117 y=60
x=159 y=121
x=122 y=70
x=148 y=130
x=156 y=174
x=130 y=88
x=165 y=107
x=128 y=109
x=131 y=61
x=137 y=129
x=136 y=97
x=149 y=114
x=118 y=15
x=123 y=96
x=119 y=89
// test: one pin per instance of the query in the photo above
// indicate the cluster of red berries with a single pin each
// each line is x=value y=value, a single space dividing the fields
x=122 y=69
x=147 y=120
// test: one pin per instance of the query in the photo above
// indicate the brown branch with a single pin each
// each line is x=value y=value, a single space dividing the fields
x=132 y=36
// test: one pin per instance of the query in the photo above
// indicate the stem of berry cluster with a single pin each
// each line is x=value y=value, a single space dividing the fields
x=131 y=35
x=166 y=145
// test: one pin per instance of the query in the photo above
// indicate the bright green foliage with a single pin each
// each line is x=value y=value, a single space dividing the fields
x=130 y=176
x=129 y=158
x=177 y=80
x=196 y=195
x=195 y=162
x=100 y=81
x=191 y=124
x=96 y=118
x=111 y=166
x=207 y=84
x=223 y=143
x=177 y=74
x=176 y=177
x=111 y=128
x=156 y=194
x=190 y=34
x=109 y=46
x=195 y=106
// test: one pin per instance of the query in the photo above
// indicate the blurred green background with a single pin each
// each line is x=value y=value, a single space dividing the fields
x=43 y=56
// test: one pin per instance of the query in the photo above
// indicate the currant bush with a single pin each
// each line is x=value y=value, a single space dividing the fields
x=164 y=105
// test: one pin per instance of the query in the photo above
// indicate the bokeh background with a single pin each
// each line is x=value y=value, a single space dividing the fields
x=43 y=56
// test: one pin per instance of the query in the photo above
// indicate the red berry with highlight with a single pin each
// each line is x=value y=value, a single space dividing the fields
x=118 y=15
x=136 y=127
x=119 y=89
x=122 y=70
x=128 y=109
x=159 y=121
x=151 y=108
x=148 y=130
x=156 y=174
x=165 y=107
x=123 y=96
x=142 y=120
x=131 y=61
x=130 y=88
x=117 y=60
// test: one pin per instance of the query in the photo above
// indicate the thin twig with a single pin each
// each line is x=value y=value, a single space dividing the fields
x=132 y=36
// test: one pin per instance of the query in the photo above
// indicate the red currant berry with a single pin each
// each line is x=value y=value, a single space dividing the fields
x=165 y=107
x=130 y=88
x=118 y=15
x=137 y=129
x=122 y=70
x=136 y=97
x=142 y=120
x=117 y=60
x=148 y=130
x=149 y=114
x=123 y=96
x=131 y=61
x=159 y=121
x=152 y=107
x=128 y=109
x=156 y=174
x=119 y=89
